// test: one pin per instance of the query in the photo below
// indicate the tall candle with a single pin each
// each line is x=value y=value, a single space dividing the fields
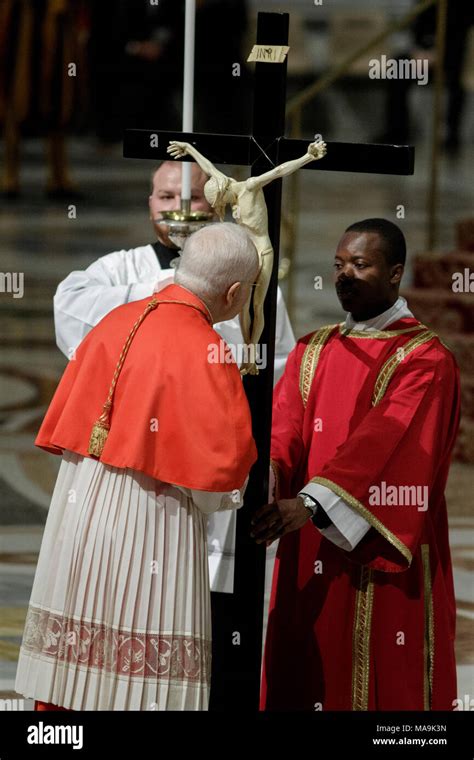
x=188 y=90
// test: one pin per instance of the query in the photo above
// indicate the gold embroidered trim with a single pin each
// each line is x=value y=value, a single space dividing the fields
x=72 y=641
x=361 y=640
x=429 y=628
x=389 y=367
x=380 y=334
x=276 y=472
x=310 y=359
x=359 y=507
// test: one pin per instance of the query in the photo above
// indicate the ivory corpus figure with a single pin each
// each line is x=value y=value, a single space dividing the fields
x=248 y=209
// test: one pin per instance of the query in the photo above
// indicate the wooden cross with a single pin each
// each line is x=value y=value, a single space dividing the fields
x=237 y=662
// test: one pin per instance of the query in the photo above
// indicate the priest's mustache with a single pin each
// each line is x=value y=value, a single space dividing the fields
x=345 y=285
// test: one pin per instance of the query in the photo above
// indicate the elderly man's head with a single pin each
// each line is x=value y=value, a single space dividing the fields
x=166 y=194
x=219 y=263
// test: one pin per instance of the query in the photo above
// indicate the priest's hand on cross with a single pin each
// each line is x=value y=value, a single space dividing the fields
x=274 y=520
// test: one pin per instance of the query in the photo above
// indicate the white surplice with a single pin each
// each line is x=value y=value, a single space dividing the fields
x=119 y=615
x=84 y=297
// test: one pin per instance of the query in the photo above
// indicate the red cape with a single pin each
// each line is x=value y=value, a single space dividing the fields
x=176 y=416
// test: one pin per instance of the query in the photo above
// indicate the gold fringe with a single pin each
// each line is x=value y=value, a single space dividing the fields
x=97 y=440
x=100 y=430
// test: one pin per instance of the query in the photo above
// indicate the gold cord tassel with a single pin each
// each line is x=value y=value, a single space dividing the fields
x=100 y=432
x=101 y=427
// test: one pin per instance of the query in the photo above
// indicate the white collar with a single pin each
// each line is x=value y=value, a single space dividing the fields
x=399 y=310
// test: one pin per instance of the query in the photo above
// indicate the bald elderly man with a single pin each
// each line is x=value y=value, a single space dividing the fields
x=85 y=297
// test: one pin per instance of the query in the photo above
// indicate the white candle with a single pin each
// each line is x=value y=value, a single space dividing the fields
x=188 y=90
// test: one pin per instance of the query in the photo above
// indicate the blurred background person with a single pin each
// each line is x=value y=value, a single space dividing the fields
x=460 y=17
x=42 y=76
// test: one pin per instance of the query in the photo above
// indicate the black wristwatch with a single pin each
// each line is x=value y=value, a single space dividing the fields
x=319 y=517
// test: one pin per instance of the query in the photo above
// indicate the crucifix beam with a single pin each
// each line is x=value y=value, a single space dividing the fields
x=245 y=150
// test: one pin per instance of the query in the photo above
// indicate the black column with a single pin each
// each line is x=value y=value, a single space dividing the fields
x=238 y=618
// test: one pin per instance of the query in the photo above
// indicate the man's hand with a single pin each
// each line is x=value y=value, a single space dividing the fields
x=177 y=149
x=274 y=520
x=317 y=149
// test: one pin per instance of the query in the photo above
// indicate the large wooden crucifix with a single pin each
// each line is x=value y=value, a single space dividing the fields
x=236 y=666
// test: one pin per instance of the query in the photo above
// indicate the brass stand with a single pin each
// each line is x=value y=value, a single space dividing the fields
x=181 y=224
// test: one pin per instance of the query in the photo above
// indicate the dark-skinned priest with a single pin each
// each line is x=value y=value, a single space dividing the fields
x=362 y=611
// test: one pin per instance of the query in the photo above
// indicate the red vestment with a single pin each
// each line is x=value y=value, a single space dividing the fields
x=373 y=628
x=177 y=415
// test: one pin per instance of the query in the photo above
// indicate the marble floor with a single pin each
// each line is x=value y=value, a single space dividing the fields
x=40 y=240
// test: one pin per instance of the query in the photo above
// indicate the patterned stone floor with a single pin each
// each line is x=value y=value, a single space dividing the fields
x=38 y=239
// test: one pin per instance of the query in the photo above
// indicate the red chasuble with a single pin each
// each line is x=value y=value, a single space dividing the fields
x=369 y=415
x=177 y=414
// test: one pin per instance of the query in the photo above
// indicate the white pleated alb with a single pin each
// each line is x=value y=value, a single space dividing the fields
x=119 y=615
